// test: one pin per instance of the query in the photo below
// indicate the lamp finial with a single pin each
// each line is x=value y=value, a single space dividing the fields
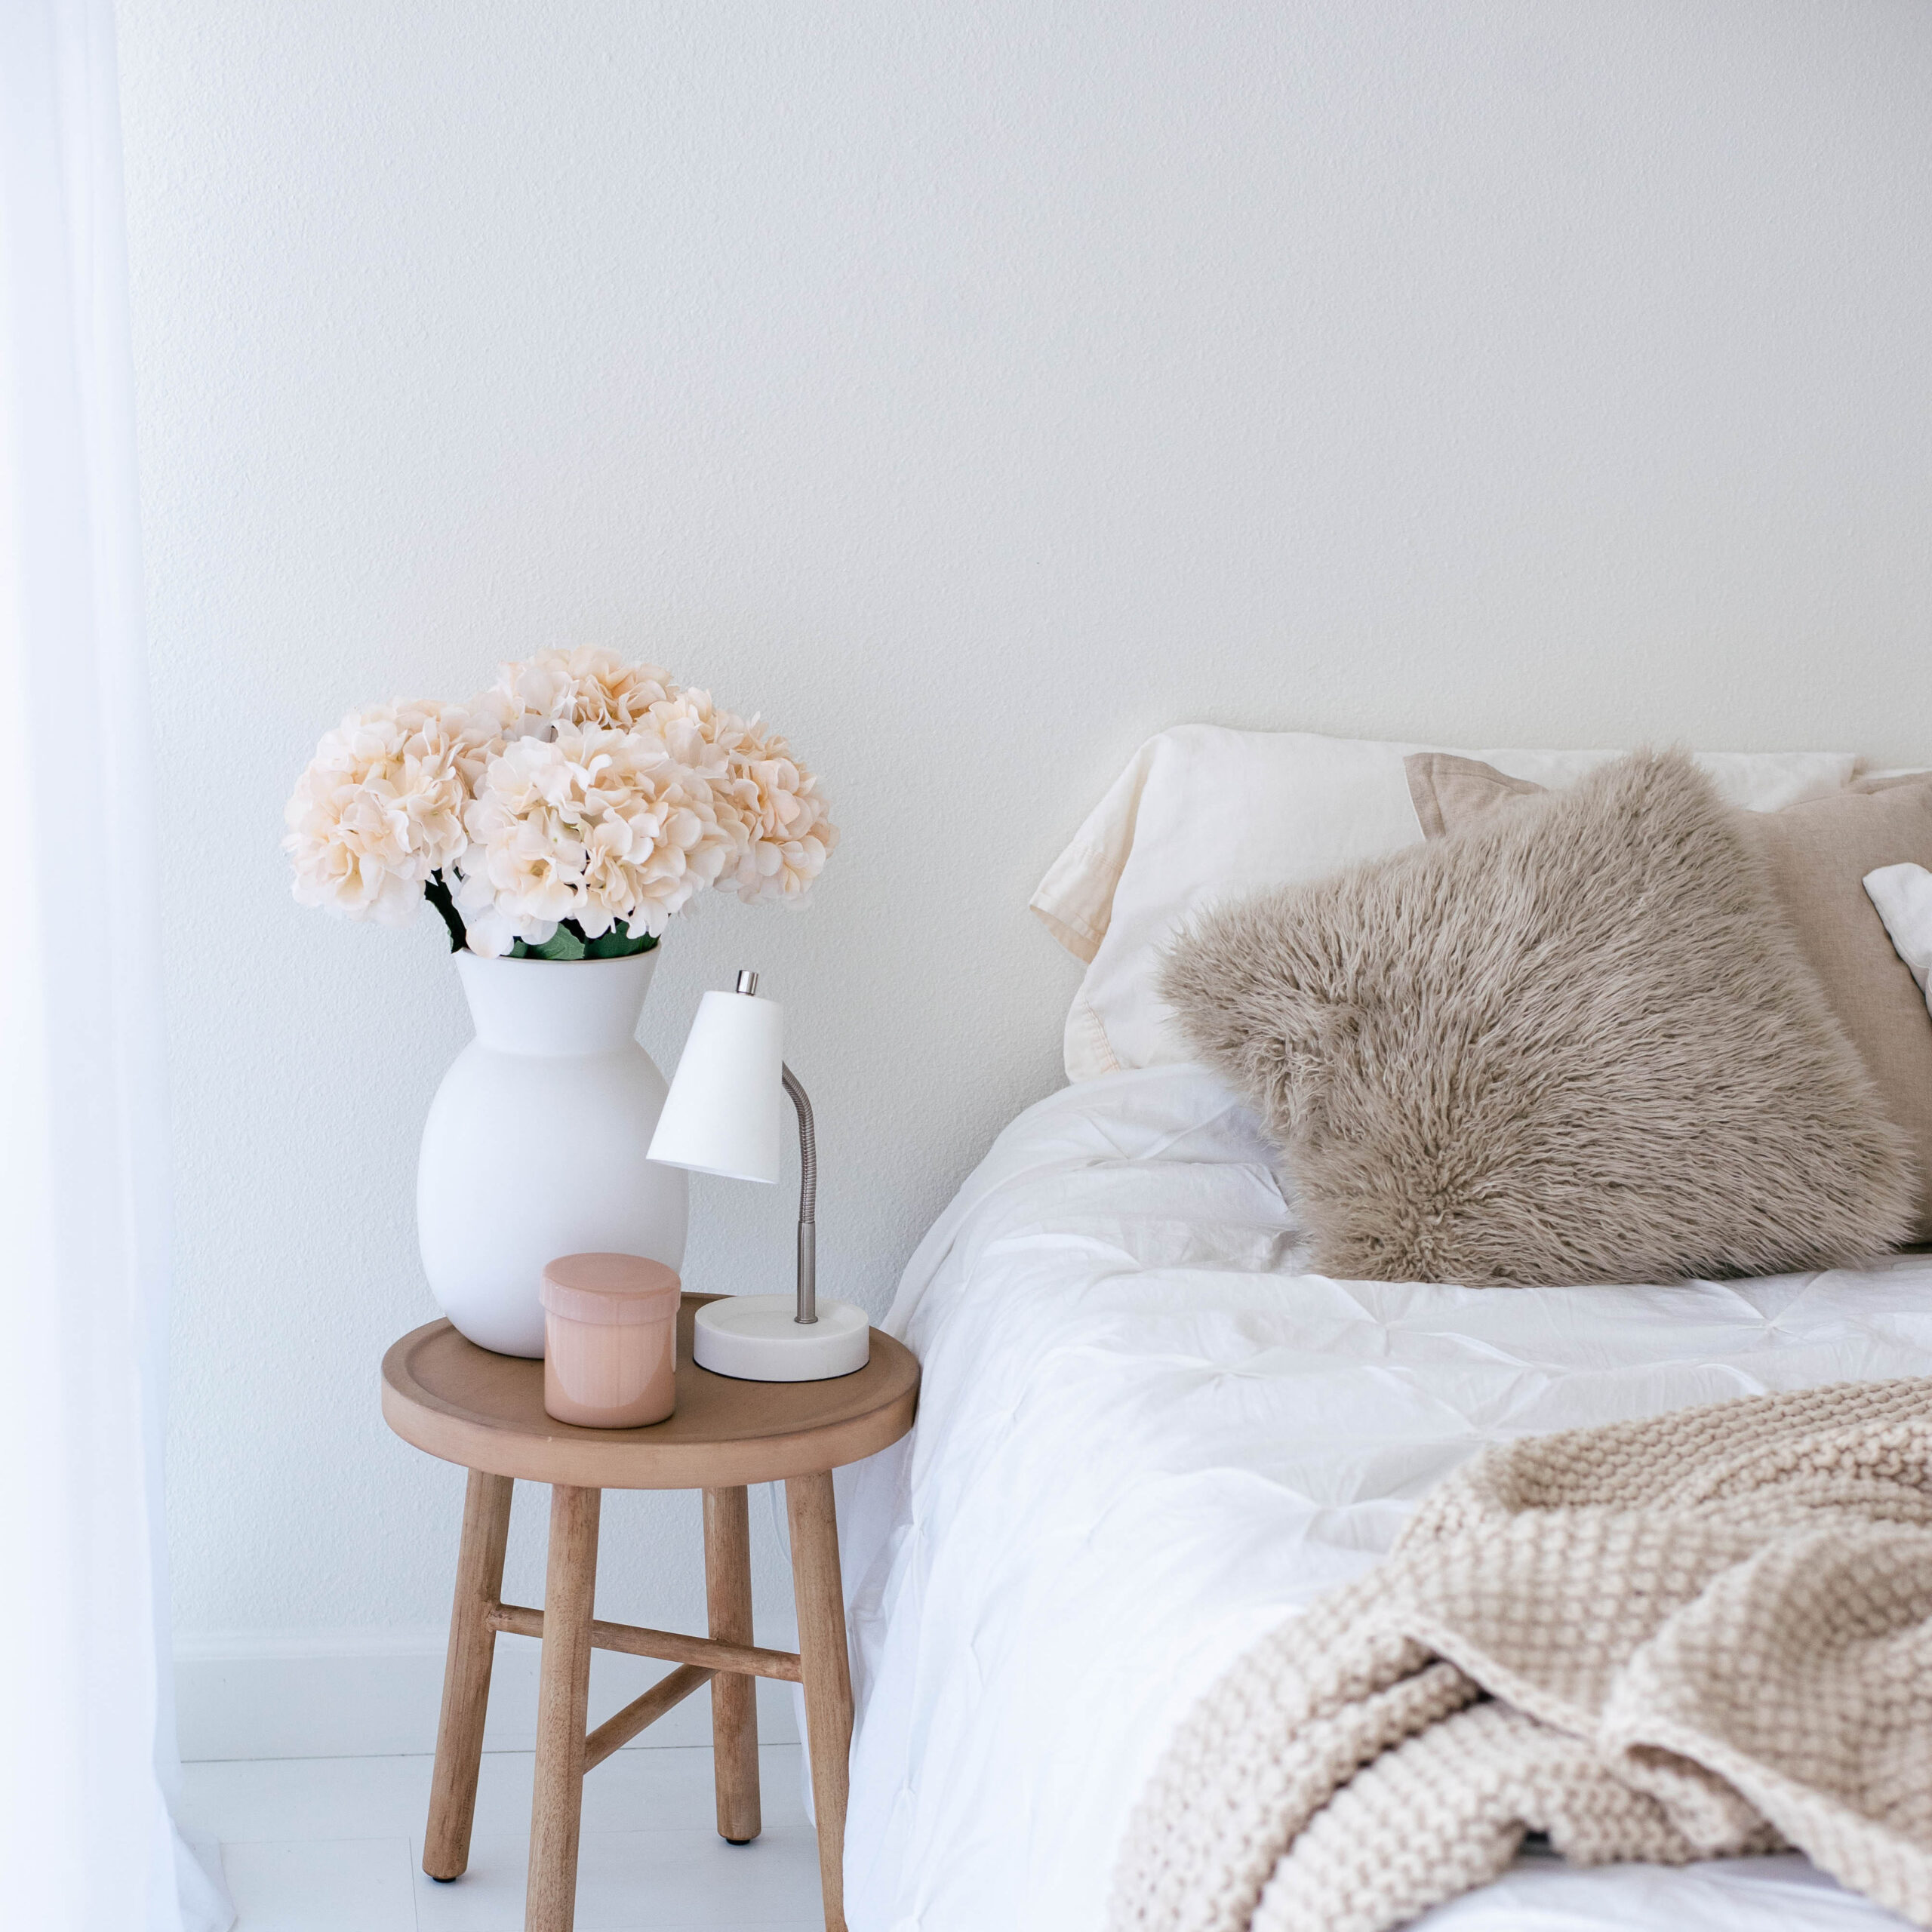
x=747 y=980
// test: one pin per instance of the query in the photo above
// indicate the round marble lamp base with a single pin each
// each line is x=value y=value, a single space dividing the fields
x=757 y=1338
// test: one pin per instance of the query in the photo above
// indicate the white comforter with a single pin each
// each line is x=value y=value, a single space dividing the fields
x=1145 y=1436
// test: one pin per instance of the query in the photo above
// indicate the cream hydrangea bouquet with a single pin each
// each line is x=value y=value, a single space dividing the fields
x=566 y=813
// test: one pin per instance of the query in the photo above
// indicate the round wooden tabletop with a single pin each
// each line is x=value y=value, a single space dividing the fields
x=466 y=1405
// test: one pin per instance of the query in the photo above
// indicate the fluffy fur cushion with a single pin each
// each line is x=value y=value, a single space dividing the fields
x=1816 y=853
x=1574 y=1043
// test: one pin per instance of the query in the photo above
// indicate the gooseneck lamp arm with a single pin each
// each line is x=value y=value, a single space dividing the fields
x=807 y=1200
x=807 y=1312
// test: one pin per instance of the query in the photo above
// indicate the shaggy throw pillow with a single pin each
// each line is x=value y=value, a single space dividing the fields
x=1817 y=853
x=1575 y=1043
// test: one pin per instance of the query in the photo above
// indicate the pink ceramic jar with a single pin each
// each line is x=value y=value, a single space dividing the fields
x=610 y=1340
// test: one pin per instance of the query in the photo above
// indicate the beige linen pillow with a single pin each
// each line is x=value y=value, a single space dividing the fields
x=1575 y=1043
x=1816 y=853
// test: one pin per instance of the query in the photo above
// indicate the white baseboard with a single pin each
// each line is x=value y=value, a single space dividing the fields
x=377 y=1693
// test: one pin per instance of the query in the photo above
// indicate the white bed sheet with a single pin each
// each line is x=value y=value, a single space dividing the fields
x=1145 y=1436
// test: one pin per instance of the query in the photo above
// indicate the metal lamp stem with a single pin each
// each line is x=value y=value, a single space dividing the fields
x=807 y=1198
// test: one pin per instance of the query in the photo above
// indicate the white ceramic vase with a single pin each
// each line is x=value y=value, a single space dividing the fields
x=536 y=1141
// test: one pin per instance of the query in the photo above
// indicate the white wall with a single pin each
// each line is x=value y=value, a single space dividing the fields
x=974 y=389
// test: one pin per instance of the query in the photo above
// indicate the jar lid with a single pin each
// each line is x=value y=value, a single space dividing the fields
x=616 y=1291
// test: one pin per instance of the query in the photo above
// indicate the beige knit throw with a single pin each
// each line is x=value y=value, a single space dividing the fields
x=1706 y=1633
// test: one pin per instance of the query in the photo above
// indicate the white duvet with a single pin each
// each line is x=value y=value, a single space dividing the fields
x=1145 y=1436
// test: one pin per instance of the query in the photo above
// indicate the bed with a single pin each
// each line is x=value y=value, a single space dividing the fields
x=1149 y=1431
x=1146 y=1436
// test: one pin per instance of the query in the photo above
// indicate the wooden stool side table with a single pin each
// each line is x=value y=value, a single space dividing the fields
x=458 y=1401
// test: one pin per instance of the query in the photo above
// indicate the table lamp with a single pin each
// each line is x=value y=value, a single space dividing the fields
x=722 y=1117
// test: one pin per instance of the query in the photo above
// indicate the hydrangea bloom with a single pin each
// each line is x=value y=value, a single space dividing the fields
x=379 y=810
x=585 y=687
x=594 y=826
x=788 y=830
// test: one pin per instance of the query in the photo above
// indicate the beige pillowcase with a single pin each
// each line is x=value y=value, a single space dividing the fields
x=1817 y=854
x=1448 y=789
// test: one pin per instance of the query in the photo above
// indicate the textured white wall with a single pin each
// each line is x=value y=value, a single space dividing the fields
x=974 y=389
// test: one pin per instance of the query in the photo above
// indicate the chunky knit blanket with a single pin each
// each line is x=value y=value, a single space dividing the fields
x=1702 y=1634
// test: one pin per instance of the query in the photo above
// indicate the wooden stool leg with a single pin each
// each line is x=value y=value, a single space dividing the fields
x=728 y=1589
x=821 y=1601
x=563 y=1697
x=479 y=1584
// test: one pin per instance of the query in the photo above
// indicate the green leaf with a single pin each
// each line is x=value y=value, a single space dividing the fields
x=619 y=943
x=562 y=944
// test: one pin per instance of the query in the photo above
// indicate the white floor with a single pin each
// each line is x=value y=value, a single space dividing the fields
x=335 y=1845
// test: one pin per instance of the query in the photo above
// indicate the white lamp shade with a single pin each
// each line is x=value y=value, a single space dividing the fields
x=723 y=1114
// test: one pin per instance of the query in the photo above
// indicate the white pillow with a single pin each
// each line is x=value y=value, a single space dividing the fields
x=1903 y=897
x=1202 y=814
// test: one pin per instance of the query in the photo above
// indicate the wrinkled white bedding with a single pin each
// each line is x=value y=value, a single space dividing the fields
x=1144 y=1436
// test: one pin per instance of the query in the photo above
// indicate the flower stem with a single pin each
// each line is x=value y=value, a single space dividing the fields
x=437 y=894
